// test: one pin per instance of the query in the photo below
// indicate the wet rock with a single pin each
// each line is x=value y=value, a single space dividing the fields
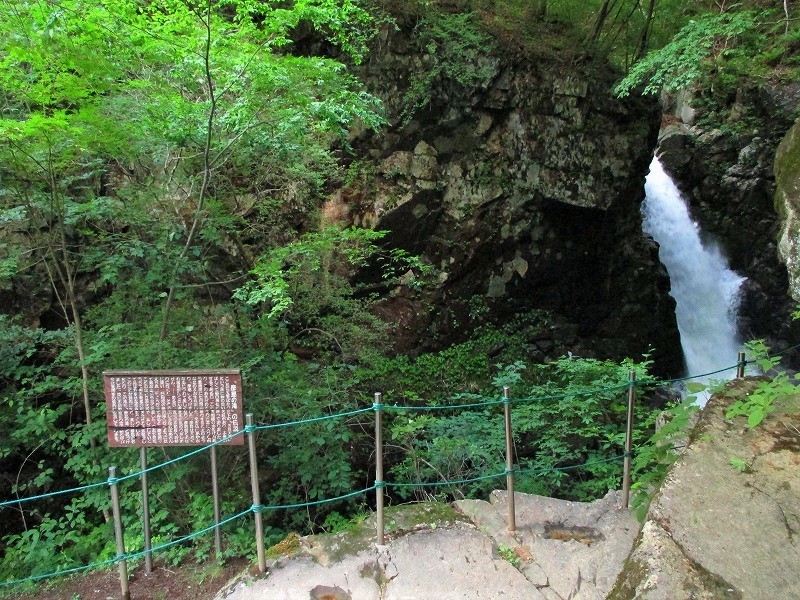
x=787 y=203
x=326 y=592
x=728 y=175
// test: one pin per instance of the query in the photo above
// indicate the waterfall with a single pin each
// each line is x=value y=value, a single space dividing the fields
x=704 y=288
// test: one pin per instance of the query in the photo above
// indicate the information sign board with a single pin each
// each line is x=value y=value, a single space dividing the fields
x=173 y=408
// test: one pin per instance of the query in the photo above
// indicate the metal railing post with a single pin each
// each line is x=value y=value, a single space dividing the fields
x=740 y=366
x=123 y=563
x=148 y=555
x=215 y=497
x=251 y=444
x=626 y=475
x=512 y=516
x=379 y=468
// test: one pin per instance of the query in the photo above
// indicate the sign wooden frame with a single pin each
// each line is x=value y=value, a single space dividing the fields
x=173 y=408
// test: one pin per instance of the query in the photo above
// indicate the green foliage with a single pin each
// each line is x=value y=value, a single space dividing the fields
x=653 y=458
x=761 y=401
x=148 y=152
x=336 y=522
x=510 y=555
x=283 y=270
x=578 y=417
x=712 y=42
x=582 y=422
x=436 y=377
x=306 y=289
x=456 y=49
x=738 y=464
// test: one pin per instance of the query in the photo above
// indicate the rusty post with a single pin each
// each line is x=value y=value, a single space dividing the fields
x=626 y=475
x=512 y=513
x=379 y=467
x=251 y=443
x=740 y=365
x=123 y=563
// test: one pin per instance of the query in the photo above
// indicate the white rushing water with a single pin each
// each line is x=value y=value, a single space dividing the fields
x=706 y=291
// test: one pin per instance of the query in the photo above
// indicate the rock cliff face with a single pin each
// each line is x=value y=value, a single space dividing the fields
x=522 y=189
x=787 y=203
x=727 y=174
x=726 y=521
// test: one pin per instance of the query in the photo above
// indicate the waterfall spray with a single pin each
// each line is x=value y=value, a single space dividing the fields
x=706 y=291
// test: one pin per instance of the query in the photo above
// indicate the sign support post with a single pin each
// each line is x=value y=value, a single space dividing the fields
x=118 y=534
x=148 y=555
x=215 y=495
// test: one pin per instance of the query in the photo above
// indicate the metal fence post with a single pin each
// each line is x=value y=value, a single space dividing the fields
x=123 y=563
x=215 y=497
x=740 y=366
x=512 y=514
x=626 y=475
x=251 y=443
x=148 y=555
x=379 y=467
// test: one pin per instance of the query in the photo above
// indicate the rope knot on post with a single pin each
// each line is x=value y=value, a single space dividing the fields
x=376 y=406
x=249 y=428
x=740 y=366
x=379 y=485
x=113 y=480
x=257 y=508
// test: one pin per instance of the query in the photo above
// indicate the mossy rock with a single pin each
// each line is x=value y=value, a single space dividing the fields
x=329 y=548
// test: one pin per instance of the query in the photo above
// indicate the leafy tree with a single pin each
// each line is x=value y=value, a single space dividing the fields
x=709 y=42
x=134 y=140
x=566 y=414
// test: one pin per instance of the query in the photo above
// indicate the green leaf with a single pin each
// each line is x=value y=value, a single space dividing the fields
x=695 y=387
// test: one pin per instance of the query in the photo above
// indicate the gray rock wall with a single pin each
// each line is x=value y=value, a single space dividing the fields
x=787 y=202
x=726 y=521
x=726 y=171
x=523 y=191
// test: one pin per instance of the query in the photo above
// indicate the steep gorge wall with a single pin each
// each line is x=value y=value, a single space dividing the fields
x=726 y=170
x=523 y=191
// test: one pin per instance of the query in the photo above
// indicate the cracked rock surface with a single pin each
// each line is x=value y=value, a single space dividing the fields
x=726 y=521
x=456 y=562
x=561 y=551
x=568 y=550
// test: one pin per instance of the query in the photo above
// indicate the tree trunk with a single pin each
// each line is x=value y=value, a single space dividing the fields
x=645 y=38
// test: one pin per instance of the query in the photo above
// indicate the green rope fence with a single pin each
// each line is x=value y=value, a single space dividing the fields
x=390 y=484
x=395 y=407
x=254 y=509
x=262 y=427
x=377 y=485
x=72 y=571
x=138 y=474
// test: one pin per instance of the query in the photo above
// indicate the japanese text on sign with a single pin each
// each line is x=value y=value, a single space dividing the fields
x=173 y=408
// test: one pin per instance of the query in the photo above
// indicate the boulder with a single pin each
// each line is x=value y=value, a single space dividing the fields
x=726 y=521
